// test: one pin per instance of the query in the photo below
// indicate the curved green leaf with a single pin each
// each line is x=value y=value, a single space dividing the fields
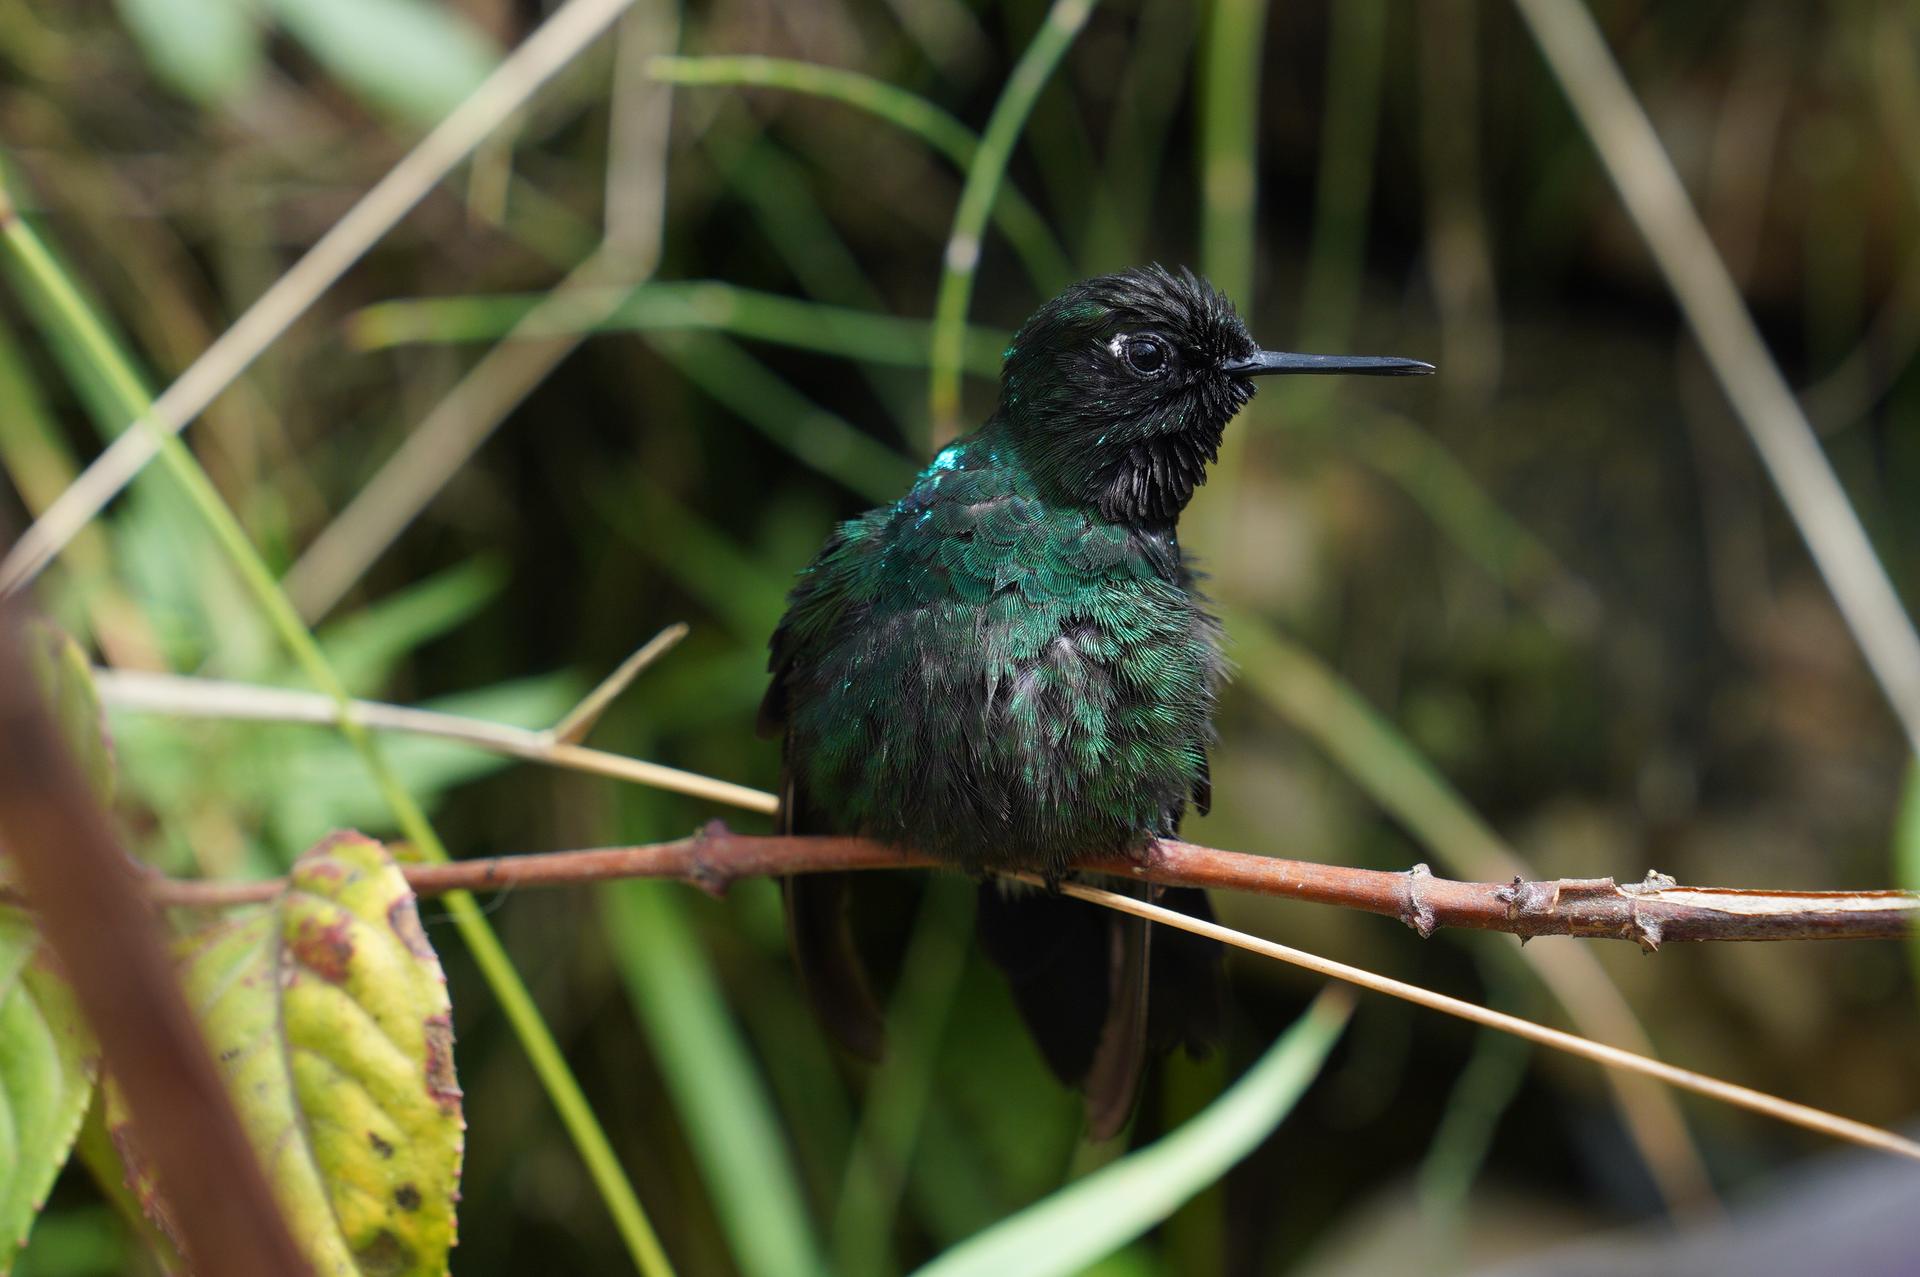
x=328 y=1013
x=416 y=59
x=47 y=1068
x=1090 y=1219
x=714 y=1081
x=1906 y=851
x=66 y=680
x=209 y=50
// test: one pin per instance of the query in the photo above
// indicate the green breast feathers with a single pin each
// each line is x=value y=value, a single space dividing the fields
x=994 y=679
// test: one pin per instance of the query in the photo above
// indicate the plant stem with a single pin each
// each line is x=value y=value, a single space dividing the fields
x=1650 y=913
x=1046 y=262
x=85 y=328
x=962 y=258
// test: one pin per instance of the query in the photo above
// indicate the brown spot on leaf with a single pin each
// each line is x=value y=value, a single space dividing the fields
x=442 y=1085
x=139 y=1179
x=340 y=838
x=404 y=918
x=323 y=948
x=317 y=871
x=385 y=1254
x=379 y=1145
x=407 y=1197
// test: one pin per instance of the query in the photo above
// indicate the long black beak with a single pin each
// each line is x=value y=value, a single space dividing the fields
x=1266 y=363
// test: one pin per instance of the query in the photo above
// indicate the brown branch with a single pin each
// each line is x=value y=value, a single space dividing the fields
x=92 y=914
x=1651 y=913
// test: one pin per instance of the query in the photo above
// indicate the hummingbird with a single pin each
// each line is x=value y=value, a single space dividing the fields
x=1011 y=668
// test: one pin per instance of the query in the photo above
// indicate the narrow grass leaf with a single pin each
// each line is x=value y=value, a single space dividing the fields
x=366 y=647
x=209 y=50
x=722 y=1099
x=1046 y=262
x=415 y=59
x=700 y=305
x=962 y=259
x=308 y=781
x=66 y=683
x=818 y=438
x=1906 y=852
x=1092 y=1218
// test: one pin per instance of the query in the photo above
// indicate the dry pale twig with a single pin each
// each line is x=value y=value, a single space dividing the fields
x=573 y=729
x=450 y=433
x=210 y=698
x=529 y=66
x=1801 y=1115
x=468 y=415
x=1649 y=913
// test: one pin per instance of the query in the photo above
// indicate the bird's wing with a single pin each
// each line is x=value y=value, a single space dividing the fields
x=830 y=968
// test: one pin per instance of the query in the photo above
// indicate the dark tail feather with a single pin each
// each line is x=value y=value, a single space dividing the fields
x=1097 y=988
x=1055 y=953
x=830 y=968
x=1189 y=988
x=1120 y=1056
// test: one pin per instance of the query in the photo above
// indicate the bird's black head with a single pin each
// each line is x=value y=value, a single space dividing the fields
x=1118 y=390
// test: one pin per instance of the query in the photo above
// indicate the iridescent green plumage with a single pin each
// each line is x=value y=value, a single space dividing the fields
x=1009 y=668
x=996 y=679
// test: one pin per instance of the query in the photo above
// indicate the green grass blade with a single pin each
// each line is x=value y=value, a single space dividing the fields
x=1355 y=55
x=891 y=103
x=82 y=327
x=902 y=1085
x=1229 y=107
x=1906 y=853
x=1412 y=458
x=729 y=1117
x=1030 y=74
x=1372 y=752
x=1480 y=1098
x=1093 y=1217
x=1045 y=261
x=701 y=305
x=1146 y=104
x=416 y=59
x=818 y=438
x=1229 y=143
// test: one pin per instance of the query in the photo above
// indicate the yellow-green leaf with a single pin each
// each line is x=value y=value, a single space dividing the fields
x=328 y=1013
x=66 y=680
x=47 y=1068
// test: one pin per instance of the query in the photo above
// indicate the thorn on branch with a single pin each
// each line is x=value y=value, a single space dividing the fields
x=701 y=870
x=1414 y=909
x=1639 y=930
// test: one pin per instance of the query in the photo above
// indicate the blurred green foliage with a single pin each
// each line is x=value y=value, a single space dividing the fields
x=1556 y=571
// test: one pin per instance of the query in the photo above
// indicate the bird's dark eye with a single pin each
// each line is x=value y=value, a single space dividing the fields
x=1145 y=355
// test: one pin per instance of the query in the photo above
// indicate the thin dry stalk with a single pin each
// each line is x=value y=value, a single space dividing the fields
x=480 y=402
x=1611 y=1057
x=1647 y=913
x=573 y=729
x=210 y=698
x=536 y=60
x=1654 y=197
